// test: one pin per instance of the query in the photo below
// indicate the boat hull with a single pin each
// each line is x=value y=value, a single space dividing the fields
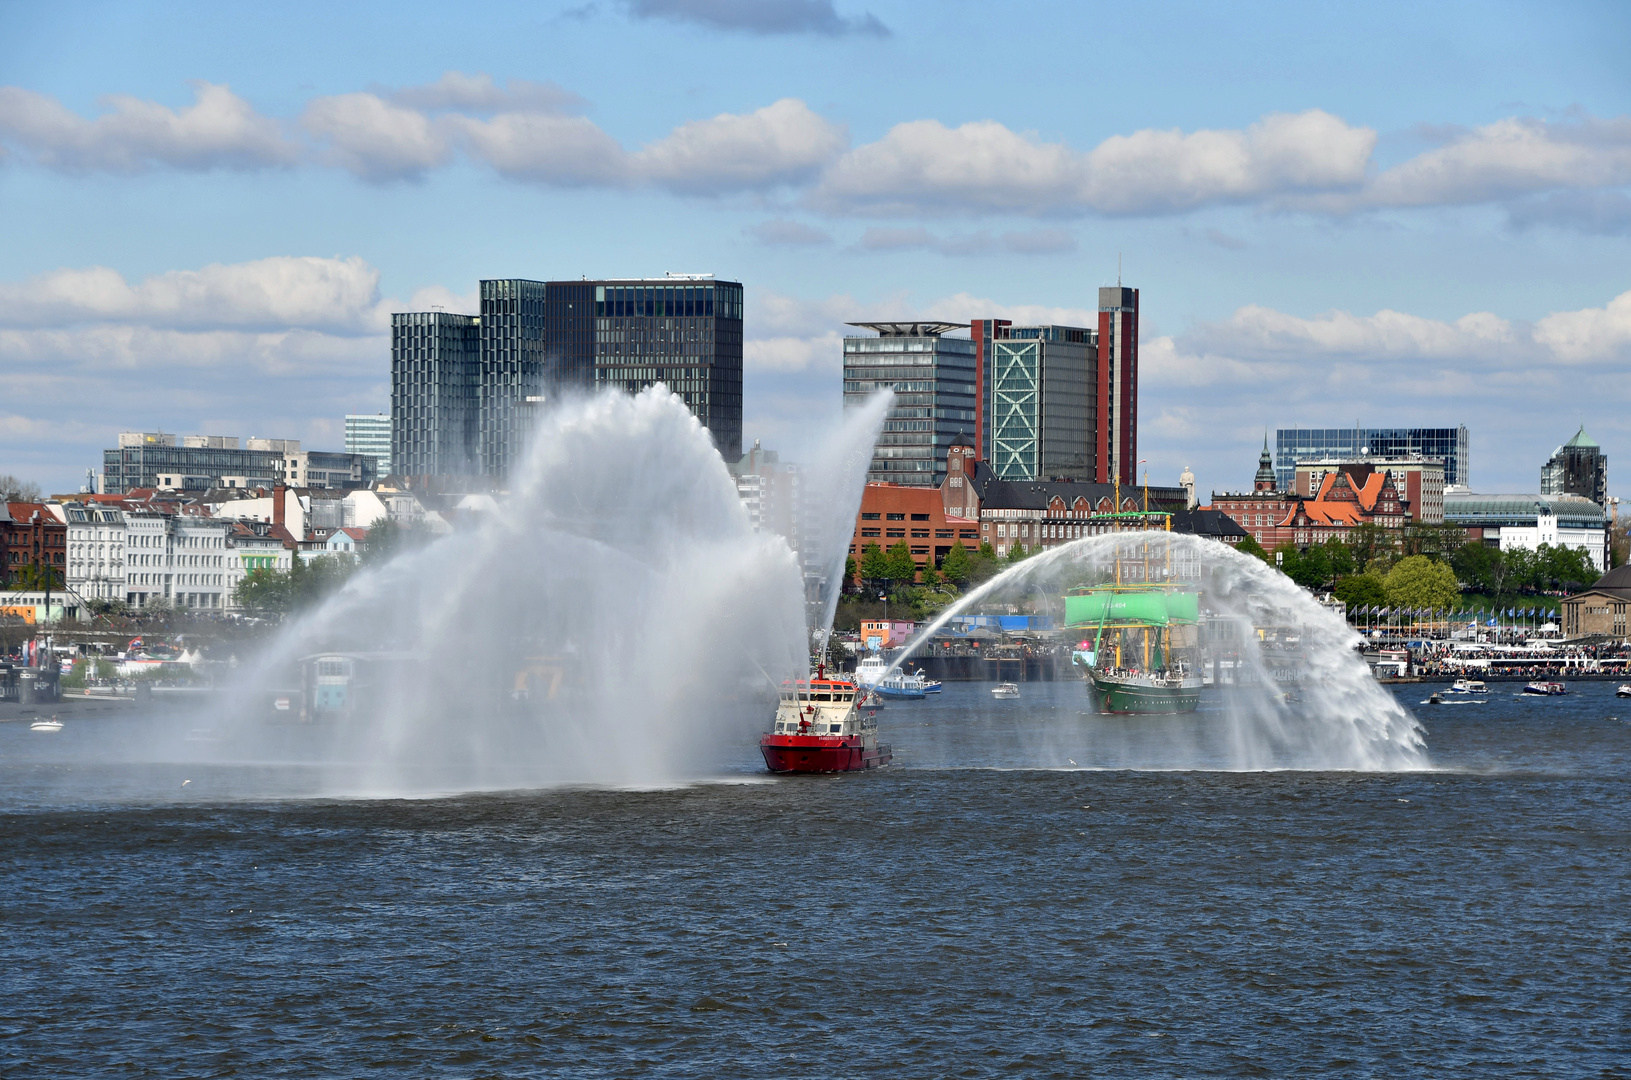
x=821 y=754
x=1134 y=698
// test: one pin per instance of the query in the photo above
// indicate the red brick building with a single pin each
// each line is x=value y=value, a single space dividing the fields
x=31 y=537
x=1349 y=494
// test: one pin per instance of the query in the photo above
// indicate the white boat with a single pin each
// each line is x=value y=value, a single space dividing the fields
x=1468 y=686
x=870 y=670
x=1005 y=690
x=1623 y=690
x=49 y=727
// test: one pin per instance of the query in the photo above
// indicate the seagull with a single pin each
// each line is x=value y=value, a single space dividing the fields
x=184 y=783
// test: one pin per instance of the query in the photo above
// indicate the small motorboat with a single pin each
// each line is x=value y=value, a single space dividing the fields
x=1435 y=698
x=1623 y=690
x=1468 y=686
x=1005 y=690
x=1545 y=689
x=49 y=727
x=899 y=685
x=930 y=686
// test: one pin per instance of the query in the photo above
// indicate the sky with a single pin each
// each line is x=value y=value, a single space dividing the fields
x=1379 y=213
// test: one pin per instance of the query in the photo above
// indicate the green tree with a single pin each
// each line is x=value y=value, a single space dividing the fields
x=955 y=565
x=387 y=539
x=902 y=568
x=1287 y=558
x=1340 y=557
x=1250 y=546
x=1369 y=542
x=1479 y=567
x=874 y=565
x=1311 y=569
x=1017 y=553
x=1566 y=568
x=1361 y=590
x=1417 y=581
x=850 y=568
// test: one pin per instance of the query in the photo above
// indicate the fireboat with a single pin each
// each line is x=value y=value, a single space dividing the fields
x=819 y=728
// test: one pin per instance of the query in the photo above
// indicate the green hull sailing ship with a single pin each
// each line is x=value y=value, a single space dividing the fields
x=1134 y=665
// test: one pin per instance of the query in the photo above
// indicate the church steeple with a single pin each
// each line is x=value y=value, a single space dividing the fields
x=1264 y=480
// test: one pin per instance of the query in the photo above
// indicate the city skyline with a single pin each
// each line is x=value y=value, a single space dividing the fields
x=1310 y=244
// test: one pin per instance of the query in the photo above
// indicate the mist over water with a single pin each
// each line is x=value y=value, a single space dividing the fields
x=616 y=620
x=1300 y=696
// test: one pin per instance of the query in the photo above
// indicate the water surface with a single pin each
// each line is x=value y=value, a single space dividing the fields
x=983 y=909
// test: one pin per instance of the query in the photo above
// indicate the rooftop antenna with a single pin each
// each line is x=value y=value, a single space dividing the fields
x=1118 y=269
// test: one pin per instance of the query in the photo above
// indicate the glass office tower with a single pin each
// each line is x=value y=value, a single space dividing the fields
x=513 y=369
x=435 y=394
x=683 y=330
x=933 y=378
x=1042 y=403
x=1448 y=444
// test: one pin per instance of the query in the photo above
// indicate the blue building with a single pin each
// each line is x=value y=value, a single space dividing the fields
x=1448 y=444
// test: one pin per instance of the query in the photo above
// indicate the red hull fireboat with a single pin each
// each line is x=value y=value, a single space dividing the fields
x=820 y=728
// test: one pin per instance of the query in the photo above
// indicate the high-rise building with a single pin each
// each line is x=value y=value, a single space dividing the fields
x=1448 y=444
x=480 y=381
x=1116 y=413
x=1578 y=467
x=933 y=377
x=683 y=330
x=436 y=408
x=513 y=369
x=370 y=434
x=985 y=333
x=1042 y=403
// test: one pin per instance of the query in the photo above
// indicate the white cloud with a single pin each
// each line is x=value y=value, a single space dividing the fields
x=479 y=93
x=334 y=296
x=219 y=130
x=1591 y=334
x=782 y=143
x=374 y=138
x=1510 y=157
x=564 y=150
x=925 y=167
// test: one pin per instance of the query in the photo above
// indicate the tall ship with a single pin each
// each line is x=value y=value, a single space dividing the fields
x=820 y=727
x=1144 y=654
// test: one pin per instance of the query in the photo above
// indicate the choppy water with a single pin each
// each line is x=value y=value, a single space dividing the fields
x=972 y=912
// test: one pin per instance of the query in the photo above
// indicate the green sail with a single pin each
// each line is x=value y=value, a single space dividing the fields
x=1146 y=608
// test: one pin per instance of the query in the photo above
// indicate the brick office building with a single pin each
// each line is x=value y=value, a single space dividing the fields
x=31 y=538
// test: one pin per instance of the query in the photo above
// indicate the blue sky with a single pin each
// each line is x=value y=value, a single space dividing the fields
x=1383 y=212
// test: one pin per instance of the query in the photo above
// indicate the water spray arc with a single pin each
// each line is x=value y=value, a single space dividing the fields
x=1339 y=718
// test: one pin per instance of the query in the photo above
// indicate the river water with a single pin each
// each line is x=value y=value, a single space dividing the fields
x=982 y=908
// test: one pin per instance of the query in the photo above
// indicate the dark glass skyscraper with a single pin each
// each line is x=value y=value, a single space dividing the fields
x=681 y=330
x=436 y=372
x=513 y=368
x=465 y=390
x=933 y=378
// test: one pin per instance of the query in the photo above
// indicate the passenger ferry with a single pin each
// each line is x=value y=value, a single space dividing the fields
x=1468 y=686
x=820 y=728
x=870 y=670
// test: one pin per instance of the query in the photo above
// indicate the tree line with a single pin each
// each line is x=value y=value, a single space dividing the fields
x=1424 y=566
